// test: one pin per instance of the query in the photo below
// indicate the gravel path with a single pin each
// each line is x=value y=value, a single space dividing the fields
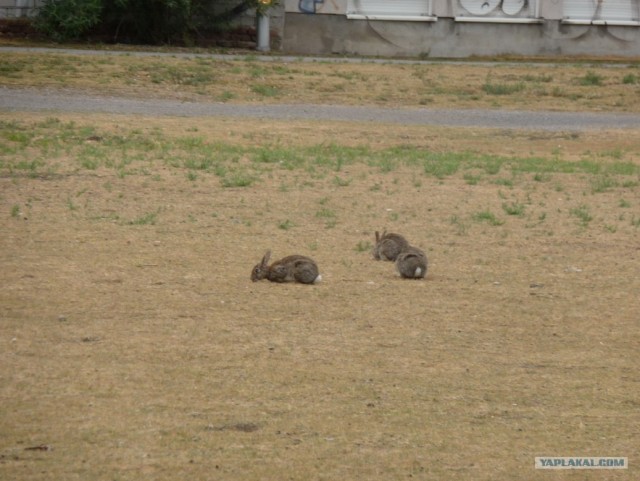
x=45 y=100
x=12 y=99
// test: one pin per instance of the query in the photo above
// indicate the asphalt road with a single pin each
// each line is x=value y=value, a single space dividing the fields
x=49 y=100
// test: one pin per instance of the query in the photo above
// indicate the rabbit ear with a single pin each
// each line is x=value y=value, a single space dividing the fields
x=265 y=259
x=377 y=237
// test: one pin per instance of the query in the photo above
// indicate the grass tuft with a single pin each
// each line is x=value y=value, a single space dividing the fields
x=488 y=217
x=583 y=213
x=514 y=208
x=502 y=88
x=592 y=79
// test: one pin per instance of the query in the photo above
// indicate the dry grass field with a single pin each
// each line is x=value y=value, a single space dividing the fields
x=569 y=86
x=133 y=344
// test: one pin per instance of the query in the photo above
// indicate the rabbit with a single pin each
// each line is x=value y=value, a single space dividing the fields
x=388 y=246
x=293 y=268
x=412 y=263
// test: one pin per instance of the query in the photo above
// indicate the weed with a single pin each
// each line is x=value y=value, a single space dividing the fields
x=363 y=246
x=505 y=182
x=388 y=164
x=558 y=92
x=583 y=214
x=146 y=219
x=538 y=78
x=624 y=204
x=487 y=216
x=616 y=154
x=285 y=224
x=491 y=165
x=15 y=210
x=630 y=79
x=265 y=90
x=330 y=223
x=471 y=179
x=198 y=163
x=11 y=67
x=461 y=227
x=326 y=213
x=237 y=179
x=514 y=208
x=191 y=175
x=591 y=79
x=441 y=165
x=90 y=163
x=502 y=89
x=622 y=168
x=226 y=96
x=635 y=222
x=602 y=184
x=340 y=182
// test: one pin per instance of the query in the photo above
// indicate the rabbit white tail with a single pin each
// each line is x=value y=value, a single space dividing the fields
x=418 y=272
x=317 y=279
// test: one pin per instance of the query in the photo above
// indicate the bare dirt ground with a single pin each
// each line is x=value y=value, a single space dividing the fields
x=134 y=346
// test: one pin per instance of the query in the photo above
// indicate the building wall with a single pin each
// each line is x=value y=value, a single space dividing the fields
x=328 y=30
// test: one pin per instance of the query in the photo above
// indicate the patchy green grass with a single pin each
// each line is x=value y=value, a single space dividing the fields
x=488 y=217
x=583 y=214
x=514 y=208
x=196 y=372
x=150 y=218
x=503 y=88
x=249 y=79
x=592 y=79
x=34 y=149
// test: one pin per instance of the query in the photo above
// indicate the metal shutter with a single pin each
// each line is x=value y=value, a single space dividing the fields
x=489 y=9
x=609 y=10
x=389 y=8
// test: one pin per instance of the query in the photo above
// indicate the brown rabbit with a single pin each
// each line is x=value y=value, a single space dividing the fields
x=412 y=263
x=388 y=246
x=294 y=268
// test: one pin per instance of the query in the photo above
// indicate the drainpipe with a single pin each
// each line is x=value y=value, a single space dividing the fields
x=264 y=36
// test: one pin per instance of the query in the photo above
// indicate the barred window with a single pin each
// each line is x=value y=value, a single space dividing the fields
x=405 y=10
x=602 y=12
x=499 y=11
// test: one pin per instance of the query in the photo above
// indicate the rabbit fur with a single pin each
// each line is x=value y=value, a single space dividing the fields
x=412 y=263
x=295 y=268
x=388 y=246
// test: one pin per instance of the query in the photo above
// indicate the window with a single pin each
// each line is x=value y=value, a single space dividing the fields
x=498 y=11
x=602 y=12
x=405 y=10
